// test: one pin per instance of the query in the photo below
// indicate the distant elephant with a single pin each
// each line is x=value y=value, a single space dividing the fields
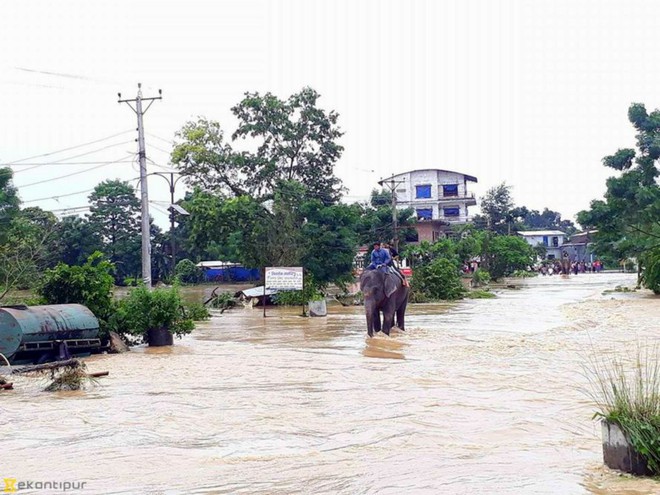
x=386 y=293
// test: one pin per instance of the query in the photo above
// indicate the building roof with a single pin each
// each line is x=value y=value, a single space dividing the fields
x=217 y=264
x=468 y=177
x=532 y=233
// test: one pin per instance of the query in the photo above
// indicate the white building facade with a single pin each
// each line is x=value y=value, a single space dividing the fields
x=440 y=199
x=552 y=240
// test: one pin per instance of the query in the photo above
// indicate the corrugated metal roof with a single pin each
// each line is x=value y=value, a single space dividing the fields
x=258 y=292
x=526 y=233
x=217 y=264
x=467 y=177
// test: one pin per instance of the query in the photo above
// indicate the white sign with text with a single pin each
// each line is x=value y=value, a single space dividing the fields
x=284 y=277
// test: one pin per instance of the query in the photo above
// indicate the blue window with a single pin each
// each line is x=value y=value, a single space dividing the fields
x=545 y=240
x=423 y=191
x=452 y=212
x=450 y=190
x=425 y=214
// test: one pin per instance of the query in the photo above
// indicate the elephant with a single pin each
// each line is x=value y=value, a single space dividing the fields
x=383 y=292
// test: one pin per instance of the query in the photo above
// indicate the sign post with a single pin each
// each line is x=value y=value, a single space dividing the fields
x=282 y=278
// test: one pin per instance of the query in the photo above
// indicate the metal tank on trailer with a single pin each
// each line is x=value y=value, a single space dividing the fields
x=41 y=333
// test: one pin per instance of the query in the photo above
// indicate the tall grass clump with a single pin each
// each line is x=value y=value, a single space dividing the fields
x=626 y=392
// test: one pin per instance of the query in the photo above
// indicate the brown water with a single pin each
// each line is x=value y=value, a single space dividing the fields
x=480 y=396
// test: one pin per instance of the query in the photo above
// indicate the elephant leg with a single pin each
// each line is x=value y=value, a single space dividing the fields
x=370 y=324
x=388 y=317
x=401 y=313
x=376 y=320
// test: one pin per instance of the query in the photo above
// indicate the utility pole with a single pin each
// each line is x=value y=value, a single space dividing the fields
x=392 y=185
x=144 y=192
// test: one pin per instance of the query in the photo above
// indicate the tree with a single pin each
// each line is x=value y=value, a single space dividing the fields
x=628 y=220
x=375 y=222
x=502 y=255
x=496 y=206
x=294 y=139
x=76 y=239
x=115 y=216
x=9 y=201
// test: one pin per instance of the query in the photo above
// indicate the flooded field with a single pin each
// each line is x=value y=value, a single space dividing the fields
x=479 y=396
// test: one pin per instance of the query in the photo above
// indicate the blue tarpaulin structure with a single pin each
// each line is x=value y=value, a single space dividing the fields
x=223 y=271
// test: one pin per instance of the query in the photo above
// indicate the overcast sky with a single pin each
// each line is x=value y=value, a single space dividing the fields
x=531 y=93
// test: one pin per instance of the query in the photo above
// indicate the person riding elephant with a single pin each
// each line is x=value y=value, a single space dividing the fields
x=386 y=293
x=379 y=257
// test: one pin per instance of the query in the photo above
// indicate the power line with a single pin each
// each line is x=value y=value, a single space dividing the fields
x=71 y=174
x=72 y=193
x=168 y=141
x=59 y=162
x=71 y=147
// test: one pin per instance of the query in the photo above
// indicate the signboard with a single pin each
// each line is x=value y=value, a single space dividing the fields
x=284 y=277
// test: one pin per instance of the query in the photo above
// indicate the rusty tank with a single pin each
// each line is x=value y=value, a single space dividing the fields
x=43 y=333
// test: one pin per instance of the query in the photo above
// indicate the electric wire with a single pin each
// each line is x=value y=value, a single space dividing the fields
x=73 y=173
x=58 y=162
x=71 y=147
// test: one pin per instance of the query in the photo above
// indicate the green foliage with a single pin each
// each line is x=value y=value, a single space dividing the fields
x=375 y=220
x=480 y=277
x=503 y=255
x=438 y=279
x=626 y=391
x=294 y=139
x=115 y=215
x=76 y=239
x=187 y=272
x=480 y=294
x=310 y=292
x=496 y=206
x=501 y=216
x=292 y=230
x=627 y=220
x=9 y=201
x=90 y=285
x=223 y=301
x=651 y=275
x=196 y=311
x=143 y=309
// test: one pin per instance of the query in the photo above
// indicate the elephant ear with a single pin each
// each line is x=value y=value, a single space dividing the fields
x=391 y=284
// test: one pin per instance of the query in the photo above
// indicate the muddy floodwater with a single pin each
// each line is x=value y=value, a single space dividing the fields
x=478 y=396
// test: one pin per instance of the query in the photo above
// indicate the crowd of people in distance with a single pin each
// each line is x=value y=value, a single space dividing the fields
x=575 y=267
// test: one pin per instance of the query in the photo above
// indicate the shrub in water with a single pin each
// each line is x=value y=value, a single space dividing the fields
x=438 y=280
x=626 y=392
x=187 y=272
x=145 y=309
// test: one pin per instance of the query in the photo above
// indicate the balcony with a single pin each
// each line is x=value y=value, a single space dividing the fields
x=467 y=198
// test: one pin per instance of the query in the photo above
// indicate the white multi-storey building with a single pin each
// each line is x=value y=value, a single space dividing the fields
x=440 y=199
x=552 y=240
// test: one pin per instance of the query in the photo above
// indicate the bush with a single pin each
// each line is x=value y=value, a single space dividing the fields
x=480 y=277
x=223 y=301
x=186 y=272
x=438 y=280
x=627 y=392
x=196 y=311
x=145 y=309
x=90 y=285
x=310 y=292
x=651 y=274
x=480 y=294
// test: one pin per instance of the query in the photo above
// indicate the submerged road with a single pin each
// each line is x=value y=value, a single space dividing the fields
x=478 y=396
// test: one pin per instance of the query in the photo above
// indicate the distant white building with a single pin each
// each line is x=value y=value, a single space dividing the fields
x=552 y=240
x=440 y=199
